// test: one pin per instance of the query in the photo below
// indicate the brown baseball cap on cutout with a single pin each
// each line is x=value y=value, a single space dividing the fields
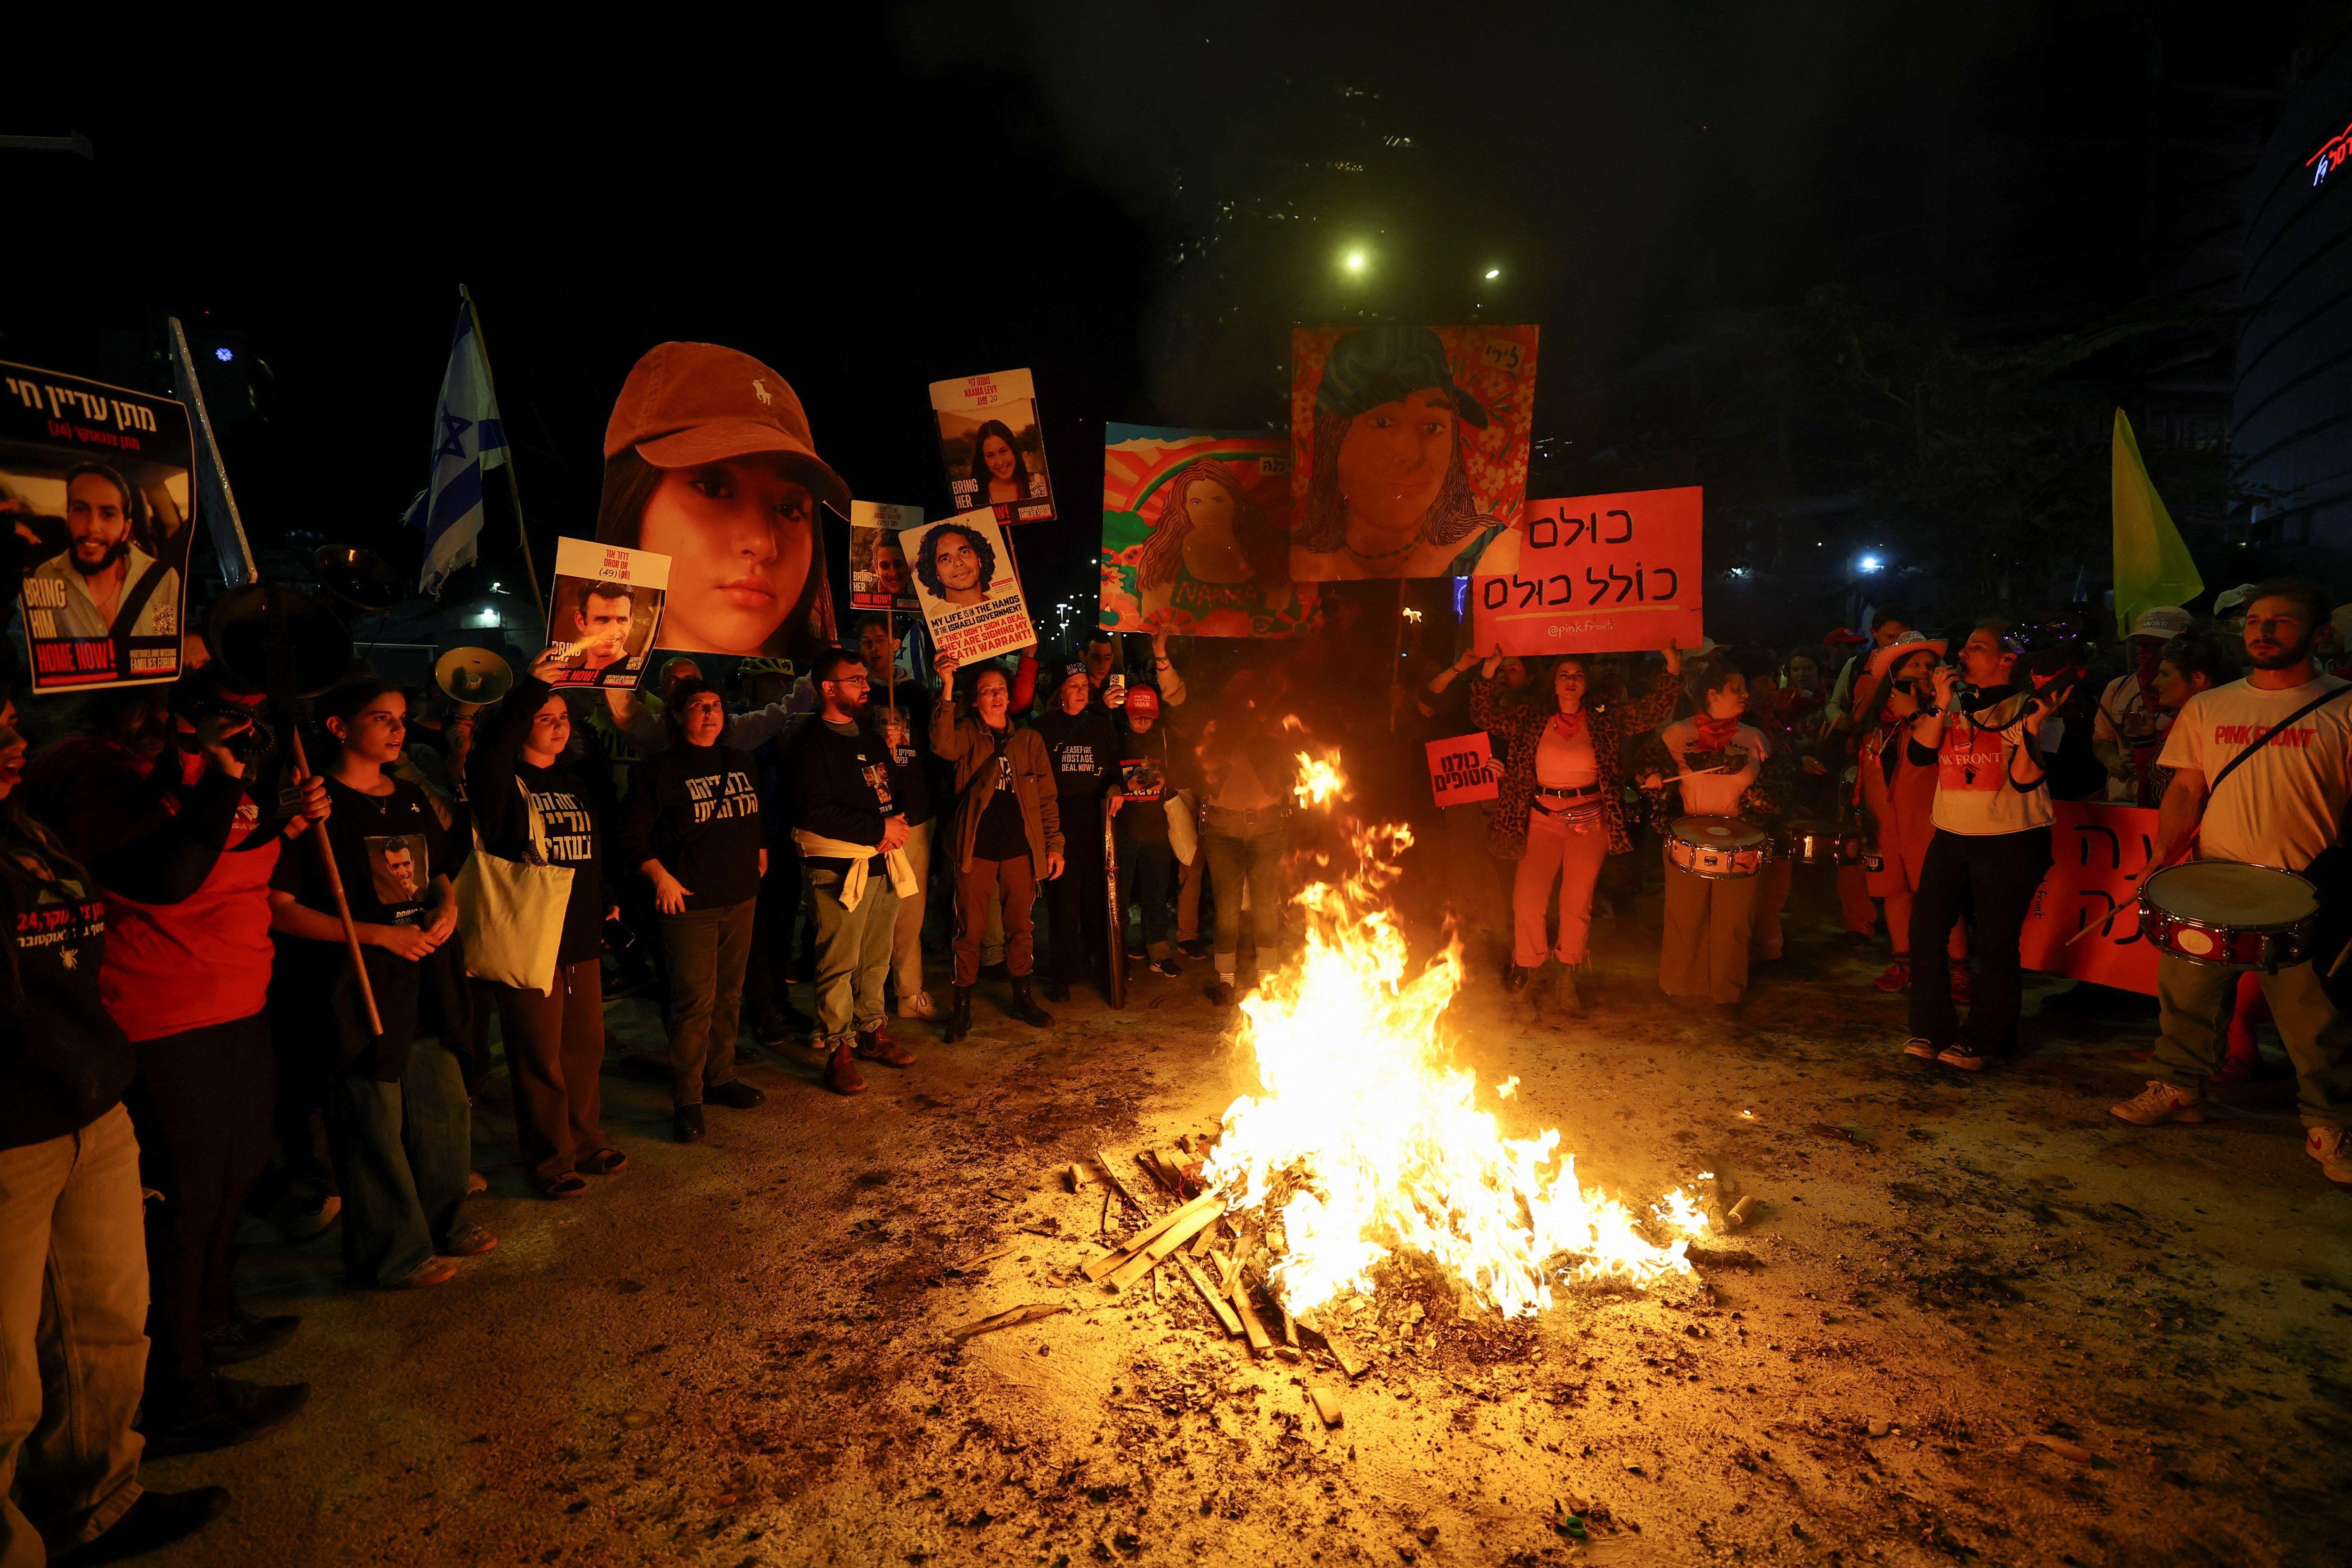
x=685 y=403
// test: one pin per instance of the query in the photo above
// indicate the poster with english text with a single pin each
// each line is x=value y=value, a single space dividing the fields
x=993 y=444
x=970 y=594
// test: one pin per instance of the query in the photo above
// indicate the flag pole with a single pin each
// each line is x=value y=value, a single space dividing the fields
x=514 y=486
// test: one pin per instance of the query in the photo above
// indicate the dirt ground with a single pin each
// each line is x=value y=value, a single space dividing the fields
x=738 y=1353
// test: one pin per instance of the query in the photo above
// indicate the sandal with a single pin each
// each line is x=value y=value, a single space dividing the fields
x=567 y=1185
x=602 y=1162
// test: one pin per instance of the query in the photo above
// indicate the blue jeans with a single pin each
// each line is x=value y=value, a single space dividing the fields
x=1245 y=847
x=402 y=1155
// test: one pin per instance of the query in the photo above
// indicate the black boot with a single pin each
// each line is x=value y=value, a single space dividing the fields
x=1025 y=1006
x=960 y=1014
x=1515 y=979
x=1057 y=989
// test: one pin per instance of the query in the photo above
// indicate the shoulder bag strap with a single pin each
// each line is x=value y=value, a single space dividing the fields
x=2274 y=731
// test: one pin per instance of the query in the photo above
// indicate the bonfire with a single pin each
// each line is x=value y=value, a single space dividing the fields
x=1366 y=1138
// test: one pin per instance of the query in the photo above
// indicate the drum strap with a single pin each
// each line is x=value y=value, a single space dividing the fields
x=2281 y=727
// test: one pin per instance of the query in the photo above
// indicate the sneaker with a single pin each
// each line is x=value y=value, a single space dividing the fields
x=1221 y=993
x=919 y=1005
x=1964 y=1061
x=685 y=1124
x=2325 y=1144
x=153 y=1520
x=1921 y=1046
x=1198 y=947
x=468 y=1240
x=1896 y=977
x=239 y=1413
x=2161 y=1103
x=734 y=1094
x=249 y=1338
x=307 y=1215
x=432 y=1272
x=2240 y=1066
x=1167 y=966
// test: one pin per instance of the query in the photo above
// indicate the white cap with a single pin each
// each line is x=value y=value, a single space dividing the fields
x=2166 y=621
x=2229 y=599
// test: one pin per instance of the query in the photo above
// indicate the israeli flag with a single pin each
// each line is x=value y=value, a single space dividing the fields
x=467 y=442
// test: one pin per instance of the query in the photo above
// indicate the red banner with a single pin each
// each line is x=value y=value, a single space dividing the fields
x=1462 y=771
x=2098 y=854
x=1595 y=574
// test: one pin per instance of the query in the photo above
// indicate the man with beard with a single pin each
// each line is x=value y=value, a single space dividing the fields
x=101 y=573
x=845 y=797
x=599 y=629
x=2262 y=775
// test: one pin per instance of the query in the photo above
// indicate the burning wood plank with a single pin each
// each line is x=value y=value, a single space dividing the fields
x=1217 y=1304
x=1011 y=1318
x=1096 y=1268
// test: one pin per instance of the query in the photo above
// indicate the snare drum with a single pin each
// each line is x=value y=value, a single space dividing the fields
x=2229 y=916
x=1810 y=844
x=1716 y=848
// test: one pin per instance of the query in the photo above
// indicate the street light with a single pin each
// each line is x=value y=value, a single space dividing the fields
x=1868 y=563
x=1493 y=273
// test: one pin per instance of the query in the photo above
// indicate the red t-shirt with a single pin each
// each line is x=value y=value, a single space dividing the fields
x=169 y=968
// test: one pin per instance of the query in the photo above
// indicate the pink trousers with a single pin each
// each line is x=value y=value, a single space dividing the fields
x=1555 y=850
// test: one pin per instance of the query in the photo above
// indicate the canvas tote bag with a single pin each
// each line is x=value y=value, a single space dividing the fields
x=510 y=912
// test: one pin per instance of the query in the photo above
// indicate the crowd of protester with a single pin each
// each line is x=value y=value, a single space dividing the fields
x=191 y=1043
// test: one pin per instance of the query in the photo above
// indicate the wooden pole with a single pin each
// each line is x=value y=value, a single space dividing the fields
x=514 y=486
x=335 y=886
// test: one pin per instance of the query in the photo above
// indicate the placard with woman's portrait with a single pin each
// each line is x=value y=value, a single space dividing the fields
x=970 y=594
x=1196 y=536
x=1409 y=447
x=95 y=481
x=993 y=446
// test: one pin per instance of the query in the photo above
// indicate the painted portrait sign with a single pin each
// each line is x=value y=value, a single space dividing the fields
x=1596 y=574
x=1409 y=447
x=880 y=577
x=993 y=446
x=95 y=480
x=964 y=580
x=1196 y=536
x=603 y=611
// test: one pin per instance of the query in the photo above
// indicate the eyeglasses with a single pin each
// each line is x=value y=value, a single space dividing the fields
x=850 y=680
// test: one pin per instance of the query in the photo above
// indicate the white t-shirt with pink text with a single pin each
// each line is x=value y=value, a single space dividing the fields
x=2286 y=804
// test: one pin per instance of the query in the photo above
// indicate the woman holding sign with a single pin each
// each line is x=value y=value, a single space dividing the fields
x=1561 y=806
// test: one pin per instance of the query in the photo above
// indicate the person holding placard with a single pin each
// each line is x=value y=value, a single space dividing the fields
x=1561 y=807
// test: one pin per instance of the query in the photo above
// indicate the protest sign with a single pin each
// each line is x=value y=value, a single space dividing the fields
x=965 y=581
x=993 y=447
x=2099 y=853
x=603 y=611
x=1195 y=540
x=1462 y=771
x=1596 y=573
x=1409 y=447
x=879 y=576
x=95 y=480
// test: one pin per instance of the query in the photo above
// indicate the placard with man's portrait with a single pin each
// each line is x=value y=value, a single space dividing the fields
x=969 y=592
x=880 y=576
x=95 y=480
x=603 y=611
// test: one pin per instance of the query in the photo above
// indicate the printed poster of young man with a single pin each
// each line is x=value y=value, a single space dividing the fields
x=1409 y=448
x=95 y=481
x=880 y=576
x=1196 y=536
x=965 y=583
x=605 y=607
x=993 y=447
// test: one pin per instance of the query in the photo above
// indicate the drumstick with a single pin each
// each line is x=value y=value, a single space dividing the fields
x=1700 y=774
x=2112 y=913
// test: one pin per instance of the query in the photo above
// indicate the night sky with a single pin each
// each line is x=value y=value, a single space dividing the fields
x=1136 y=202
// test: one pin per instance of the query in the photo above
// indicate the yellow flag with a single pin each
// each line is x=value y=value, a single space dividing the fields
x=2152 y=564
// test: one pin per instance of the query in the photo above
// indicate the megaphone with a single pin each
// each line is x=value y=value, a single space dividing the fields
x=360 y=578
x=473 y=676
x=277 y=641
